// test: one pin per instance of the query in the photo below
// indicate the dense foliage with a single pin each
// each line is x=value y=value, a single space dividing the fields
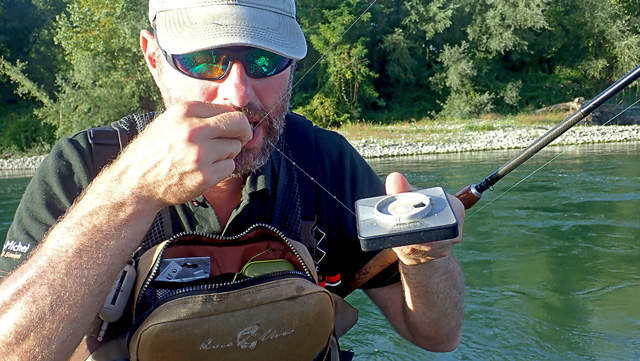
x=78 y=64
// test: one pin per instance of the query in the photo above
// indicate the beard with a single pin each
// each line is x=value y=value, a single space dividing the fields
x=272 y=123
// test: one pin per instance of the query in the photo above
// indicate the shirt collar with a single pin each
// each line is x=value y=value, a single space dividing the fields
x=261 y=179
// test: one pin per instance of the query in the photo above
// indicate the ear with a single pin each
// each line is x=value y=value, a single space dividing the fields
x=150 y=50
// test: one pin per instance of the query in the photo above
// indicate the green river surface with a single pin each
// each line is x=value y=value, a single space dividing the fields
x=552 y=267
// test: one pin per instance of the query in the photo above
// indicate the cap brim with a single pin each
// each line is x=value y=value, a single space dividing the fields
x=186 y=30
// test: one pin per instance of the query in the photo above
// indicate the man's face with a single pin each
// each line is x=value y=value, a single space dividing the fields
x=264 y=101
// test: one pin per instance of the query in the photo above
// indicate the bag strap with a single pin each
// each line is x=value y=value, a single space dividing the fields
x=106 y=143
x=304 y=139
x=296 y=208
x=105 y=147
x=109 y=140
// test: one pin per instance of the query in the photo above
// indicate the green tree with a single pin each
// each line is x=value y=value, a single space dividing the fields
x=26 y=35
x=399 y=60
x=474 y=75
x=22 y=131
x=464 y=99
x=506 y=54
x=29 y=63
x=586 y=46
x=106 y=77
x=406 y=35
x=343 y=78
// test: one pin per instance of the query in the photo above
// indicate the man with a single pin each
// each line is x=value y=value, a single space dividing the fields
x=209 y=158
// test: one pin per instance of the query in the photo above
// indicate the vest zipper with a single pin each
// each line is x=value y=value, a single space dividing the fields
x=156 y=264
x=228 y=286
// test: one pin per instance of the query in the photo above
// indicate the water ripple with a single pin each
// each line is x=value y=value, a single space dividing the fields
x=604 y=290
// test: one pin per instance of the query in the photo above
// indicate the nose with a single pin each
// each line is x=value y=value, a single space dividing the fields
x=236 y=89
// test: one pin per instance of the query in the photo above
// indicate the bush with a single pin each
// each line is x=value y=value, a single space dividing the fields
x=22 y=130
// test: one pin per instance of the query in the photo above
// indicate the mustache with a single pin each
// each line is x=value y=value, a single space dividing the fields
x=253 y=111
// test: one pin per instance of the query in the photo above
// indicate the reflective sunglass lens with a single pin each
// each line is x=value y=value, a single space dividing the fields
x=205 y=64
x=261 y=63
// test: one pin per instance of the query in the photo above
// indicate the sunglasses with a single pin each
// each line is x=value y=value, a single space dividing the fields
x=215 y=64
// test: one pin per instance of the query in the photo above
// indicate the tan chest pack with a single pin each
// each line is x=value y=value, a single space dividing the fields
x=251 y=297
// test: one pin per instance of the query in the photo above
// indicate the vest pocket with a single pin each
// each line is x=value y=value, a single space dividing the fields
x=252 y=297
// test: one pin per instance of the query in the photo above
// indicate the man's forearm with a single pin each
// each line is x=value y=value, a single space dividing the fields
x=434 y=301
x=48 y=303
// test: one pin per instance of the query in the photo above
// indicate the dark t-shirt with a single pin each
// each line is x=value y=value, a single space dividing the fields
x=274 y=194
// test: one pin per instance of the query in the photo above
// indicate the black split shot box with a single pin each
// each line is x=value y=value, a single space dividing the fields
x=405 y=218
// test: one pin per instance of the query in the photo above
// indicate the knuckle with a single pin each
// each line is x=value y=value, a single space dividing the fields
x=180 y=109
x=220 y=170
x=175 y=116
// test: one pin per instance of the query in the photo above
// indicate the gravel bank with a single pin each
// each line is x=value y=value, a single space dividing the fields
x=495 y=139
x=516 y=137
x=19 y=164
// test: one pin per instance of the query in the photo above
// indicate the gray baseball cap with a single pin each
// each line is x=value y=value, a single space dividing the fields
x=184 y=26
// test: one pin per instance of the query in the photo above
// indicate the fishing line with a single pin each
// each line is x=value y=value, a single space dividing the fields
x=335 y=43
x=294 y=86
x=316 y=182
x=515 y=185
x=619 y=114
x=546 y=164
x=304 y=75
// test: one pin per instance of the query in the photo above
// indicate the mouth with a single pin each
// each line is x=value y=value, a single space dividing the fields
x=255 y=129
x=255 y=125
x=254 y=116
x=255 y=121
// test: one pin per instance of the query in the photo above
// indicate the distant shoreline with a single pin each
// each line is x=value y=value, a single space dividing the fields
x=514 y=138
x=517 y=137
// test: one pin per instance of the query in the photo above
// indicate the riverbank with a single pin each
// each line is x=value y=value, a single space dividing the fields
x=416 y=141
x=428 y=138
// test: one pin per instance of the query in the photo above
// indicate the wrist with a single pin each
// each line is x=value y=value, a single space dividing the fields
x=419 y=254
x=416 y=260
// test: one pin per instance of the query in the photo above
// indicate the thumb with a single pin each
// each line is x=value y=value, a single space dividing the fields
x=397 y=183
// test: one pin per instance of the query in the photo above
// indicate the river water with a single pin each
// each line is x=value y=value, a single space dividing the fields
x=552 y=267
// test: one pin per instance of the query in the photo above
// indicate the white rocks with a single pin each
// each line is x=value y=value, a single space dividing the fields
x=495 y=139
x=21 y=163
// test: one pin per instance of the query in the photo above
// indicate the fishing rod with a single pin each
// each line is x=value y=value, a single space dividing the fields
x=472 y=193
x=418 y=204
